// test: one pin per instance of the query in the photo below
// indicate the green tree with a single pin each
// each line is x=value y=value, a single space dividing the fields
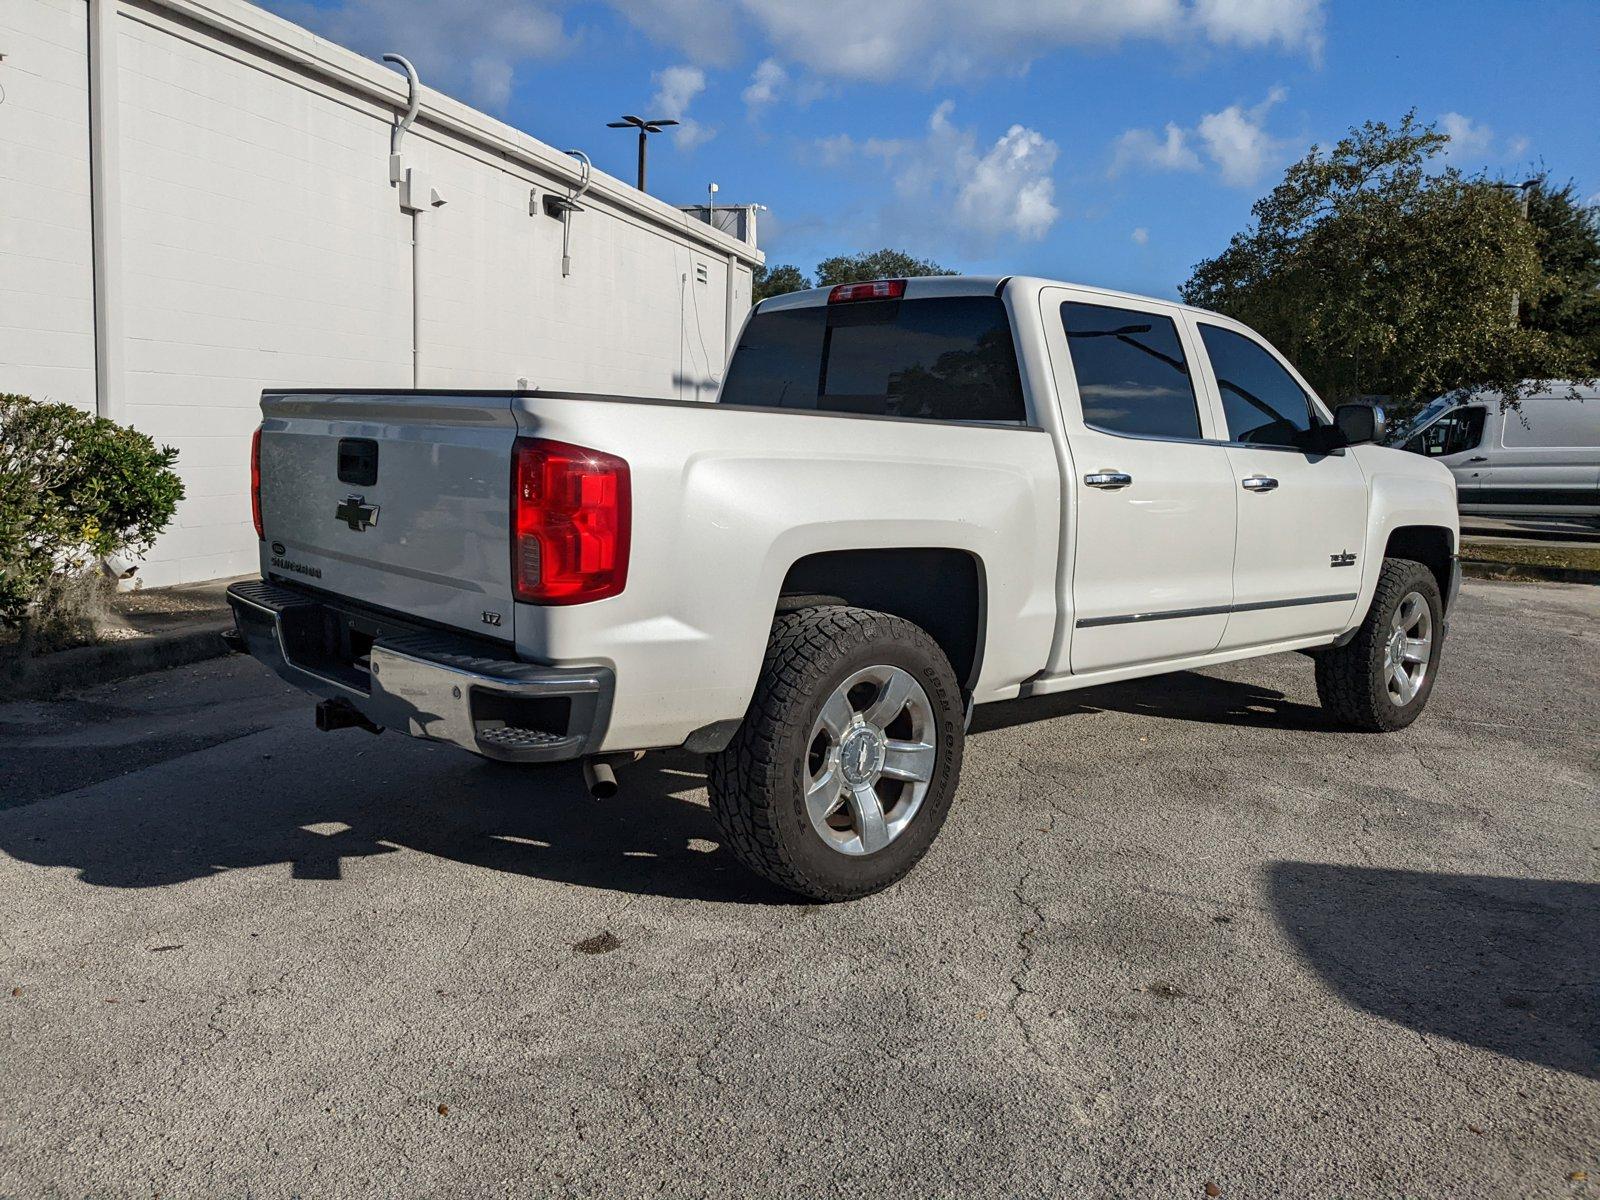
x=1379 y=273
x=874 y=264
x=775 y=281
x=1568 y=234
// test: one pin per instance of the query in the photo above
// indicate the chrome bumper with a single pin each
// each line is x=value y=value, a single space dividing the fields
x=425 y=683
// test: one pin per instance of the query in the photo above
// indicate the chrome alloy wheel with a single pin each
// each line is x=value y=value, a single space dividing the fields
x=870 y=758
x=1410 y=646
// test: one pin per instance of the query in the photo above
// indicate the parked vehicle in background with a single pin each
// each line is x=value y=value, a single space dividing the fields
x=1542 y=459
x=911 y=497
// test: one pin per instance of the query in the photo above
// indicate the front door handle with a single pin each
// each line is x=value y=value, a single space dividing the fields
x=1108 y=479
x=1478 y=458
x=1259 y=483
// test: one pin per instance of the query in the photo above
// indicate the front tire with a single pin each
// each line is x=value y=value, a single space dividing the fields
x=1381 y=679
x=846 y=763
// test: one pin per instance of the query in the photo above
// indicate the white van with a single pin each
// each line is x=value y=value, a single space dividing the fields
x=1541 y=461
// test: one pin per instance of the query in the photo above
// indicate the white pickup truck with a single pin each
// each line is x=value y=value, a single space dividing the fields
x=911 y=497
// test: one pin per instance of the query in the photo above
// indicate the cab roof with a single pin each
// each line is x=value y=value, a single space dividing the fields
x=926 y=286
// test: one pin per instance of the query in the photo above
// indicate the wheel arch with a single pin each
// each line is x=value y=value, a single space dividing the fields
x=941 y=589
x=1434 y=546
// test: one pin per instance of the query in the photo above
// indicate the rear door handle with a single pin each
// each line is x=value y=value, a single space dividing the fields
x=1477 y=458
x=1259 y=483
x=1108 y=479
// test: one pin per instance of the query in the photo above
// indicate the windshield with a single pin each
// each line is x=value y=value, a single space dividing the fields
x=1427 y=416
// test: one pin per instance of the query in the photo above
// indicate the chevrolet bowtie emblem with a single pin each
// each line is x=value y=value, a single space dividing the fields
x=357 y=513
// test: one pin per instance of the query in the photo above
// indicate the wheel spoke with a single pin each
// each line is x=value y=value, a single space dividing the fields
x=837 y=715
x=824 y=794
x=1402 y=683
x=1416 y=650
x=891 y=701
x=867 y=810
x=911 y=761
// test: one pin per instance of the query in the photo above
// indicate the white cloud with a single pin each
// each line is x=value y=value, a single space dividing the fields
x=1473 y=142
x=1143 y=148
x=1468 y=138
x=1140 y=236
x=1010 y=188
x=676 y=88
x=932 y=39
x=833 y=151
x=1235 y=140
x=1291 y=24
x=950 y=187
x=840 y=148
x=1238 y=143
x=709 y=31
x=765 y=83
x=470 y=47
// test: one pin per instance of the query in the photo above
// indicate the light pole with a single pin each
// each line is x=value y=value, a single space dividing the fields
x=1522 y=189
x=645 y=128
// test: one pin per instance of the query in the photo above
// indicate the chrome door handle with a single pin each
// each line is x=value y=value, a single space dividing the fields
x=1108 y=479
x=1259 y=483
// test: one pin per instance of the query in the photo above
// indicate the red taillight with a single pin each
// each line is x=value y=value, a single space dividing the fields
x=255 y=481
x=881 y=289
x=571 y=518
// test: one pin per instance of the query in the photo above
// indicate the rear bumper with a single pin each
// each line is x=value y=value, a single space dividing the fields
x=426 y=683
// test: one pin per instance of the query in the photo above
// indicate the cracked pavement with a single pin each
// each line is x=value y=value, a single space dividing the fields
x=1176 y=932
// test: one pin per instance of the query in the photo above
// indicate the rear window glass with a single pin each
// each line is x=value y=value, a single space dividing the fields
x=947 y=358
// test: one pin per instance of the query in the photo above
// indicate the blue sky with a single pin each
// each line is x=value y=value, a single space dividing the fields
x=1112 y=142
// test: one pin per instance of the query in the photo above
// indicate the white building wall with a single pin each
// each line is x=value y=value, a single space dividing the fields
x=46 y=251
x=496 y=308
x=262 y=245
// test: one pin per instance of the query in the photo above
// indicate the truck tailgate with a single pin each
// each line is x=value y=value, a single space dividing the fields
x=400 y=501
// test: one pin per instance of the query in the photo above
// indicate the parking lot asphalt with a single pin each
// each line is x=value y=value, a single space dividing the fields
x=1176 y=933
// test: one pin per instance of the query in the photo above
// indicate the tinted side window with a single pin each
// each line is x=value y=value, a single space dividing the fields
x=1263 y=403
x=1132 y=376
x=948 y=358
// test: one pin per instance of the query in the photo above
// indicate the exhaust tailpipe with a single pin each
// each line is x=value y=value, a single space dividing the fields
x=341 y=714
x=599 y=778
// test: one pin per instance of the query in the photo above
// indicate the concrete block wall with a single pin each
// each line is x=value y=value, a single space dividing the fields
x=46 y=254
x=261 y=244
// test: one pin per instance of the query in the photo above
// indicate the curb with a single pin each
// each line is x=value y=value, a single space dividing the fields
x=67 y=670
x=1527 y=572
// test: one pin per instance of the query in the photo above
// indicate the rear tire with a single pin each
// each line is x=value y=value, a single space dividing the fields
x=1381 y=679
x=850 y=708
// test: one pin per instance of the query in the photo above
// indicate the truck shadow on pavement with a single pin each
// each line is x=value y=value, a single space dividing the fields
x=1508 y=965
x=1181 y=696
x=158 y=808
x=209 y=816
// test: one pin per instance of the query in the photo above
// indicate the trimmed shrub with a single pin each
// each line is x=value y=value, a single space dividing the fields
x=74 y=488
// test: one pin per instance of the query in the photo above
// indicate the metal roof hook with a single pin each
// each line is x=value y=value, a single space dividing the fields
x=583 y=175
x=565 y=206
x=402 y=124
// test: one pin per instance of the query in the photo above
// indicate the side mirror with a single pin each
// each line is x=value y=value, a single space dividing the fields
x=1360 y=423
